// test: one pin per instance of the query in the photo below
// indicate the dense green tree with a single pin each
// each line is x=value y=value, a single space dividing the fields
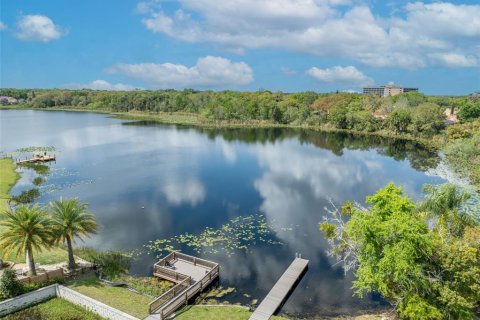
x=469 y=111
x=428 y=118
x=413 y=98
x=25 y=228
x=71 y=220
x=338 y=116
x=426 y=273
x=399 y=119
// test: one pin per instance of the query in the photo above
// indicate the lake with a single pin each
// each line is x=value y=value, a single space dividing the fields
x=148 y=181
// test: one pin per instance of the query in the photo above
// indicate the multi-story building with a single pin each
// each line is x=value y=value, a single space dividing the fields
x=388 y=90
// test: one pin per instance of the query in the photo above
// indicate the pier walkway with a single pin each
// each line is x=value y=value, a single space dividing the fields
x=280 y=290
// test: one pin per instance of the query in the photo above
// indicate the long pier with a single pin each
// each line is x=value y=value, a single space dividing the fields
x=280 y=290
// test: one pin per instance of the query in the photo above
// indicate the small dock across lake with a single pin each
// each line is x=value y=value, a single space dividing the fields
x=37 y=158
x=280 y=290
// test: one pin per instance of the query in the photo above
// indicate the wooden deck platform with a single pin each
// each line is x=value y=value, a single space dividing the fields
x=280 y=290
x=37 y=158
x=190 y=275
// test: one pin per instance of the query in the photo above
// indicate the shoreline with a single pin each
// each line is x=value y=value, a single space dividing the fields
x=9 y=177
x=196 y=120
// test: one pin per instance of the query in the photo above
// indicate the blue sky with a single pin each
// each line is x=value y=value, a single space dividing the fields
x=288 y=45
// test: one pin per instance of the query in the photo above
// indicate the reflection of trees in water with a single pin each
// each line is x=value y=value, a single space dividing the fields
x=420 y=157
x=251 y=135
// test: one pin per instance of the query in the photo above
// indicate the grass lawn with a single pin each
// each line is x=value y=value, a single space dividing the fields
x=119 y=298
x=8 y=178
x=55 y=309
x=217 y=313
x=52 y=256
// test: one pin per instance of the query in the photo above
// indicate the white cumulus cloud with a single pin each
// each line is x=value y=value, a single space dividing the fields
x=340 y=75
x=455 y=60
x=209 y=71
x=38 y=28
x=407 y=37
x=102 y=85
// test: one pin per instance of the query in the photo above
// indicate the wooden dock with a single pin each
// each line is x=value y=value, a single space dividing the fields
x=37 y=158
x=190 y=274
x=280 y=290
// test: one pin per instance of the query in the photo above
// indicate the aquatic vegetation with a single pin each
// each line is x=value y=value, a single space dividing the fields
x=27 y=196
x=49 y=188
x=239 y=233
x=39 y=168
x=219 y=292
x=35 y=149
x=38 y=181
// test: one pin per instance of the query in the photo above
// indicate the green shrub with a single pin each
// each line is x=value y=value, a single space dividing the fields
x=399 y=119
x=9 y=285
x=37 y=285
x=469 y=111
x=110 y=263
x=428 y=118
x=113 y=263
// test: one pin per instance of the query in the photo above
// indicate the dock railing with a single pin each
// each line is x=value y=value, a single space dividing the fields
x=173 y=292
x=185 y=287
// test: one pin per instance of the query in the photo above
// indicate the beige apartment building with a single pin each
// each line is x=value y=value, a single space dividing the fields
x=387 y=90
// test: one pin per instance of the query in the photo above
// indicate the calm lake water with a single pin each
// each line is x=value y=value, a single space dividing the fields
x=188 y=179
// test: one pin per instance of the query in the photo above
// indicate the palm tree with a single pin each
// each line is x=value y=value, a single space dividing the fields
x=26 y=228
x=444 y=202
x=71 y=220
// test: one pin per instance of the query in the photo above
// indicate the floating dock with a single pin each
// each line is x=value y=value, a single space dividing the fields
x=280 y=291
x=190 y=275
x=37 y=158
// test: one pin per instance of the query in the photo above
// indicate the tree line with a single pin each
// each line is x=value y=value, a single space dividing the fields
x=412 y=112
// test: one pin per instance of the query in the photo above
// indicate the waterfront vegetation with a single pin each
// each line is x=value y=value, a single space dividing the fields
x=8 y=178
x=463 y=150
x=26 y=196
x=54 y=309
x=111 y=264
x=39 y=168
x=422 y=257
x=151 y=286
